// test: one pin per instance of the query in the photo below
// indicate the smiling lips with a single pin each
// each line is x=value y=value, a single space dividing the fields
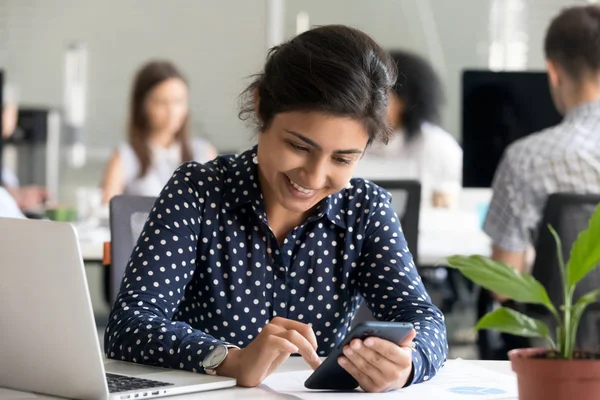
x=300 y=190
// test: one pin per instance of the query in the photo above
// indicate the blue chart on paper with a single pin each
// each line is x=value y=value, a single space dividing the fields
x=476 y=390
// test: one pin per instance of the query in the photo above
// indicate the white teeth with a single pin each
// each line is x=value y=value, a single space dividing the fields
x=300 y=188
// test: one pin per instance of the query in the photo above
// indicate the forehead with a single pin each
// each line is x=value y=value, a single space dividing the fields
x=169 y=87
x=331 y=132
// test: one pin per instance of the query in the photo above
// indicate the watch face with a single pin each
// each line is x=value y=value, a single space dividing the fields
x=215 y=357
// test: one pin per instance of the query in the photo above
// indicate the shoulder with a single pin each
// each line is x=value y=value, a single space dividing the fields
x=365 y=197
x=205 y=173
x=437 y=139
x=537 y=147
x=126 y=155
x=202 y=149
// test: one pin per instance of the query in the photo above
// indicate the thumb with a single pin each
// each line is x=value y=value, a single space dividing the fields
x=408 y=339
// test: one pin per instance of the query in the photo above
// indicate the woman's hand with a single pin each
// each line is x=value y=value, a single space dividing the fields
x=377 y=364
x=274 y=344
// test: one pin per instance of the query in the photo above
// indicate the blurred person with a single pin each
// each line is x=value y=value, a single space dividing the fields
x=563 y=158
x=420 y=149
x=29 y=197
x=8 y=206
x=159 y=135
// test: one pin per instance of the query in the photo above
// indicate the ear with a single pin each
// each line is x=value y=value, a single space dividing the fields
x=553 y=73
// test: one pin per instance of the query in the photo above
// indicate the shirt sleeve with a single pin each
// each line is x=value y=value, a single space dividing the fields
x=141 y=327
x=516 y=206
x=392 y=288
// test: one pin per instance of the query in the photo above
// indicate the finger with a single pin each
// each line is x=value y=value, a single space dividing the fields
x=280 y=344
x=408 y=339
x=363 y=379
x=304 y=347
x=378 y=361
x=375 y=374
x=304 y=329
x=397 y=354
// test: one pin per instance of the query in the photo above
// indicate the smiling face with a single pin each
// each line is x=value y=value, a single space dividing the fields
x=304 y=157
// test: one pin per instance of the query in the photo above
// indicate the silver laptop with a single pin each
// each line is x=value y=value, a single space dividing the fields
x=48 y=338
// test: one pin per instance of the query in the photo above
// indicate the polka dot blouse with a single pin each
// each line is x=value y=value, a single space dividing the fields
x=207 y=270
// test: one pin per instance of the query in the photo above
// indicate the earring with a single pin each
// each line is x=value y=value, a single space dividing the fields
x=255 y=160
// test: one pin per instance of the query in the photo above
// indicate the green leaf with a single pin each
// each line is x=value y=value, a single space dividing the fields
x=579 y=308
x=501 y=278
x=585 y=253
x=510 y=321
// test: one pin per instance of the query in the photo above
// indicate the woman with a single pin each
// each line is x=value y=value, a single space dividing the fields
x=159 y=135
x=271 y=250
x=419 y=149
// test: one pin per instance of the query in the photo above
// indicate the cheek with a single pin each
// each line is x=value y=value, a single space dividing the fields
x=180 y=112
x=155 y=115
x=340 y=177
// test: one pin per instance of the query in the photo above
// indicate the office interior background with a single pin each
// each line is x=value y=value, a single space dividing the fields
x=219 y=45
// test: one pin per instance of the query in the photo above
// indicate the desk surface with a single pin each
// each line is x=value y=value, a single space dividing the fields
x=441 y=234
x=260 y=392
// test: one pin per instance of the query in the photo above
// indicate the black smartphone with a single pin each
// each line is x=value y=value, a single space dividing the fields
x=330 y=375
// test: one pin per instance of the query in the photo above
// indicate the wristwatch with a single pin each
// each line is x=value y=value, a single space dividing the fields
x=215 y=357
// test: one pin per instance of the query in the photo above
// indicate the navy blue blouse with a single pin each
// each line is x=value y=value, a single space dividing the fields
x=207 y=269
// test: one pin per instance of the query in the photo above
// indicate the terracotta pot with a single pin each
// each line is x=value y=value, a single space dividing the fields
x=555 y=379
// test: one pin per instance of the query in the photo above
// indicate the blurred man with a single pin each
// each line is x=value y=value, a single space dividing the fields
x=563 y=158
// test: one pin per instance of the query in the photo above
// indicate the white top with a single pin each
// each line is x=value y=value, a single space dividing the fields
x=432 y=157
x=8 y=206
x=164 y=162
x=9 y=178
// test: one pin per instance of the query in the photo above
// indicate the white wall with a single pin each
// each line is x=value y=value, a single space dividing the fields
x=219 y=42
x=216 y=43
x=453 y=34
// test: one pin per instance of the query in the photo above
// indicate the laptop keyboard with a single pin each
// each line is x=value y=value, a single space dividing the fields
x=120 y=383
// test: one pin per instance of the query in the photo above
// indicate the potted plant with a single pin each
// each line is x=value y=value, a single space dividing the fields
x=559 y=371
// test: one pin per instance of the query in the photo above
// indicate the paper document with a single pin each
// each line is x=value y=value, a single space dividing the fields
x=457 y=380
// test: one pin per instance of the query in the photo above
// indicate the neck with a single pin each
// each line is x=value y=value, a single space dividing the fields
x=586 y=92
x=162 y=138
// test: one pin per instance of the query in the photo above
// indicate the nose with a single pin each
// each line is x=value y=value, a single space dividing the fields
x=316 y=173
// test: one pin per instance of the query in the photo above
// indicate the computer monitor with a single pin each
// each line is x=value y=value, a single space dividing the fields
x=497 y=109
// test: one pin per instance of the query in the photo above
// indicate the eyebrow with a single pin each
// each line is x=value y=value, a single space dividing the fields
x=317 y=146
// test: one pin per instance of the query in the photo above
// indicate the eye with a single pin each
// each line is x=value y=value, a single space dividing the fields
x=341 y=160
x=297 y=147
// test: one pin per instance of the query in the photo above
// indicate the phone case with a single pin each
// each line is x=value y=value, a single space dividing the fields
x=330 y=375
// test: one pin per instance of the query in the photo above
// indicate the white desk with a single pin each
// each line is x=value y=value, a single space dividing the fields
x=441 y=234
x=293 y=364
x=446 y=232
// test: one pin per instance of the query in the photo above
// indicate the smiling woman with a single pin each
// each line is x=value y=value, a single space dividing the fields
x=248 y=259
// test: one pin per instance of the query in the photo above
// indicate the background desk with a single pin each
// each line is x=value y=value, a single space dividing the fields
x=441 y=234
x=293 y=364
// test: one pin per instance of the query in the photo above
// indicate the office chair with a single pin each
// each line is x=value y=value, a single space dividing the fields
x=128 y=215
x=406 y=201
x=568 y=214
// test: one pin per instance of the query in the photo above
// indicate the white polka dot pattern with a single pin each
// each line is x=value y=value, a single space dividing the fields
x=207 y=269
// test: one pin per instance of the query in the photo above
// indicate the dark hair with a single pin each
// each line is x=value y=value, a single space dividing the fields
x=147 y=78
x=420 y=89
x=573 y=41
x=333 y=69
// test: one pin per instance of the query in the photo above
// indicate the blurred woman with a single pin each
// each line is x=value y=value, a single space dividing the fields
x=159 y=135
x=419 y=149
